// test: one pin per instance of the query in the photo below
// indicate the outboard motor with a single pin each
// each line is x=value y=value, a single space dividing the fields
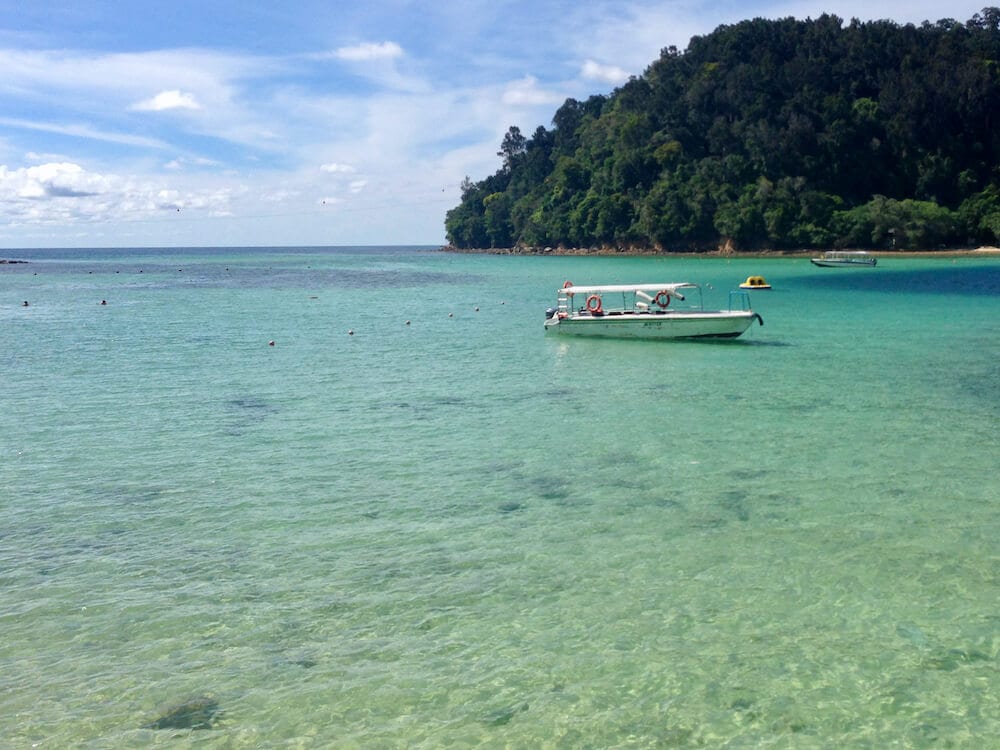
x=549 y=312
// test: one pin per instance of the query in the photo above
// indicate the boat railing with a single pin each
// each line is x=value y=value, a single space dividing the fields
x=562 y=303
x=739 y=300
x=641 y=301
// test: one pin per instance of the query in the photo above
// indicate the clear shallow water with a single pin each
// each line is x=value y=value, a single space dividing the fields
x=465 y=533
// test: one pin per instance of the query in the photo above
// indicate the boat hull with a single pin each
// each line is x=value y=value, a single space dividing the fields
x=870 y=263
x=655 y=326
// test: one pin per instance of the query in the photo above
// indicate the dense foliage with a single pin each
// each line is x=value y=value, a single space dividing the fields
x=779 y=134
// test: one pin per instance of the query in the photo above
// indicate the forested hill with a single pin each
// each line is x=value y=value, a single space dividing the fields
x=766 y=134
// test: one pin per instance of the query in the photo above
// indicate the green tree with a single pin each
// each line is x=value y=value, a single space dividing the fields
x=512 y=148
x=779 y=133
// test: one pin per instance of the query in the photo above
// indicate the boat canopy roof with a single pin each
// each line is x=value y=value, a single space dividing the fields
x=626 y=288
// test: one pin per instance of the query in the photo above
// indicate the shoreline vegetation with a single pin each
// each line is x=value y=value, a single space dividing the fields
x=765 y=135
x=722 y=252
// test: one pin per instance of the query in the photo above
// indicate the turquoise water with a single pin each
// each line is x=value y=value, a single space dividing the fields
x=461 y=532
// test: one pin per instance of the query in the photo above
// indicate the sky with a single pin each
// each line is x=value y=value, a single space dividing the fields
x=125 y=123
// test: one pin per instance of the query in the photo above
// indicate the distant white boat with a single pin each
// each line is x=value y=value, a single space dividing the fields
x=646 y=311
x=845 y=258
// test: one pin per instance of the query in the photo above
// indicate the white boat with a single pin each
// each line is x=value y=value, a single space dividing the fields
x=646 y=311
x=845 y=258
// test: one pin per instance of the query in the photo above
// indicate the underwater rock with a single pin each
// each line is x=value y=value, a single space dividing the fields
x=510 y=507
x=503 y=715
x=912 y=633
x=735 y=501
x=195 y=713
x=954 y=658
x=550 y=488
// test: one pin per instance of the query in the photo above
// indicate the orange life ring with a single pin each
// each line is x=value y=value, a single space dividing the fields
x=590 y=303
x=662 y=298
x=567 y=285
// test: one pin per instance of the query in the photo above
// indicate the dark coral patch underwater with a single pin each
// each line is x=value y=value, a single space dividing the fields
x=195 y=713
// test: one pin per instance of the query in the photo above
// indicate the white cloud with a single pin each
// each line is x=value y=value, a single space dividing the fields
x=83 y=131
x=52 y=180
x=129 y=76
x=33 y=156
x=416 y=134
x=605 y=73
x=526 y=91
x=194 y=161
x=369 y=51
x=335 y=168
x=380 y=64
x=64 y=192
x=85 y=94
x=165 y=100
